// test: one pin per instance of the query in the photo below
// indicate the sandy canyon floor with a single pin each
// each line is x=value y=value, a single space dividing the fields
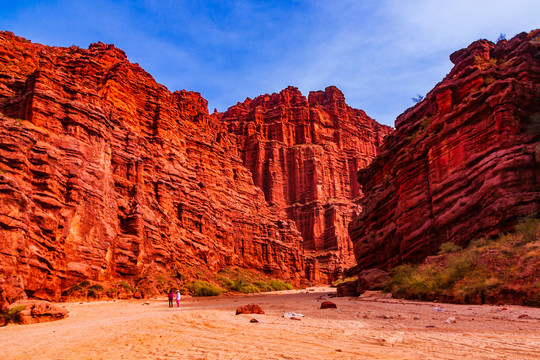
x=370 y=327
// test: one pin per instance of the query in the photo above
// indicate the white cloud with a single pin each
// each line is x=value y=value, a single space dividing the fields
x=379 y=53
x=381 y=57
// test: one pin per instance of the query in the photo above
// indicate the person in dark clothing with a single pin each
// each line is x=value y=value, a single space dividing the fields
x=171 y=297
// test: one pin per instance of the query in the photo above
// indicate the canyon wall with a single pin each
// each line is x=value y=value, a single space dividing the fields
x=462 y=163
x=304 y=154
x=105 y=173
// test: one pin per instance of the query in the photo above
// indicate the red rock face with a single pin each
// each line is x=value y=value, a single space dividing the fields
x=104 y=173
x=304 y=154
x=461 y=164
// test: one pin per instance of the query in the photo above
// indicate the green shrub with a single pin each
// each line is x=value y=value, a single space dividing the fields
x=429 y=280
x=483 y=272
x=528 y=229
x=203 y=288
x=75 y=288
x=399 y=276
x=477 y=287
x=423 y=284
x=449 y=247
x=250 y=289
x=94 y=290
x=248 y=282
x=13 y=314
x=225 y=281
x=480 y=242
x=237 y=284
x=96 y=287
x=262 y=286
x=341 y=281
x=278 y=285
x=244 y=286
x=126 y=286
x=457 y=267
x=111 y=292
x=410 y=281
x=533 y=296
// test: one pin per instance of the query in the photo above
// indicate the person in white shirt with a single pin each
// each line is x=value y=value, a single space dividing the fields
x=177 y=298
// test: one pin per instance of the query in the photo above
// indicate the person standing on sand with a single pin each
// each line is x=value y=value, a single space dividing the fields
x=177 y=298
x=171 y=296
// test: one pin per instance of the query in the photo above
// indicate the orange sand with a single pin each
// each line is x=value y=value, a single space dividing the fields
x=370 y=327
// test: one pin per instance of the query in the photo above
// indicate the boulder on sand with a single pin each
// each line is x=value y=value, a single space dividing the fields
x=36 y=311
x=371 y=279
x=328 y=305
x=347 y=288
x=249 y=309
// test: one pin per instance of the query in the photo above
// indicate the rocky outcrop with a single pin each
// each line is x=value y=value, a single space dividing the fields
x=372 y=279
x=11 y=290
x=347 y=288
x=38 y=311
x=104 y=173
x=462 y=163
x=304 y=154
x=249 y=309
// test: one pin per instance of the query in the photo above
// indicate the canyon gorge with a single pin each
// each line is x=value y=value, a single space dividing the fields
x=107 y=175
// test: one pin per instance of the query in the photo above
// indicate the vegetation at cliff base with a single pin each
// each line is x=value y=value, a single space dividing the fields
x=342 y=280
x=189 y=279
x=506 y=268
x=204 y=288
x=90 y=290
x=11 y=315
x=197 y=281
x=230 y=280
x=248 y=282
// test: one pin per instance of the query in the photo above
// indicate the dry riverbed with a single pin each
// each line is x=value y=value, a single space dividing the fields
x=369 y=327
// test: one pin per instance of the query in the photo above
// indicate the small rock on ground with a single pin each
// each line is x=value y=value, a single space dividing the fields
x=328 y=305
x=249 y=309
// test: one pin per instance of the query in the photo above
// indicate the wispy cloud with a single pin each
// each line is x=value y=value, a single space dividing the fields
x=379 y=53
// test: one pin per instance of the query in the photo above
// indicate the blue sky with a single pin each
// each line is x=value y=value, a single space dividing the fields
x=379 y=53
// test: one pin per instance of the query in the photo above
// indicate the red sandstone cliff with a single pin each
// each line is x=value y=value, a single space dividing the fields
x=462 y=163
x=304 y=154
x=105 y=173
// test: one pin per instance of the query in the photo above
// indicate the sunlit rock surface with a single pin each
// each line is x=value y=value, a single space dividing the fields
x=304 y=154
x=463 y=163
x=104 y=172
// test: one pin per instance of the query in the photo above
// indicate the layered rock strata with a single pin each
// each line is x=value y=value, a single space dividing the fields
x=463 y=163
x=104 y=172
x=304 y=154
